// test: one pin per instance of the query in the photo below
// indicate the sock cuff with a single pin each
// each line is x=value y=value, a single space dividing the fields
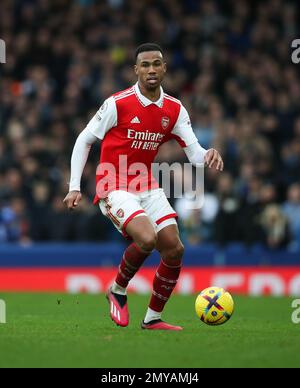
x=170 y=266
x=137 y=248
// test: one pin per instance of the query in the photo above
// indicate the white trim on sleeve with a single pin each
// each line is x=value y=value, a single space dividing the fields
x=195 y=154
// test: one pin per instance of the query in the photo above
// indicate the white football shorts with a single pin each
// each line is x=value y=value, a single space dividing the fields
x=121 y=207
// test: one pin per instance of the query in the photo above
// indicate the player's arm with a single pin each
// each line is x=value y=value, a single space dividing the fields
x=197 y=155
x=79 y=158
x=100 y=124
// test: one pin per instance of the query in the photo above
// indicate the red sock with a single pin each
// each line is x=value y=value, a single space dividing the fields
x=164 y=283
x=131 y=262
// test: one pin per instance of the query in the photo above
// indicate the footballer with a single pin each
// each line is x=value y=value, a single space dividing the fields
x=132 y=125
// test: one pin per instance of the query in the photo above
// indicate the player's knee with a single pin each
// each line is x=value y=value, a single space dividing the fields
x=147 y=242
x=173 y=256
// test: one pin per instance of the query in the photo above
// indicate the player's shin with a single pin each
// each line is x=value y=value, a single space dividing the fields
x=164 y=283
x=131 y=262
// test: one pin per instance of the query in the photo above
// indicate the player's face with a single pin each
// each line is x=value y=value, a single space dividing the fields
x=150 y=69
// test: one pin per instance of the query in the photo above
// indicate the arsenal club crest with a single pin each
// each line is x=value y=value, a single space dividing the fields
x=165 y=121
x=120 y=213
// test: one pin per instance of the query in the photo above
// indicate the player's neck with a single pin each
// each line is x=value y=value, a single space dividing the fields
x=152 y=95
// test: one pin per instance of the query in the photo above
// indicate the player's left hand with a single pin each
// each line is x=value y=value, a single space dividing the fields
x=214 y=159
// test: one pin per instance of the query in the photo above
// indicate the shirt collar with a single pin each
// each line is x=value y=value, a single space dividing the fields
x=145 y=101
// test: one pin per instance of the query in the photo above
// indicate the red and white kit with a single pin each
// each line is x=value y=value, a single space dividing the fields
x=132 y=128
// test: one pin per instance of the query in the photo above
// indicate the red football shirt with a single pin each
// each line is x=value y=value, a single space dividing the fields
x=132 y=128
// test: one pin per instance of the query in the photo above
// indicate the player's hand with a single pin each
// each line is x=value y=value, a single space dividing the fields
x=213 y=159
x=72 y=199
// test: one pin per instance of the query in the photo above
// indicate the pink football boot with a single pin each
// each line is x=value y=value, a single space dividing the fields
x=158 y=324
x=118 y=308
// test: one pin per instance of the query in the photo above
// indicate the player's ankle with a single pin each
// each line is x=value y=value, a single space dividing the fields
x=117 y=289
x=152 y=315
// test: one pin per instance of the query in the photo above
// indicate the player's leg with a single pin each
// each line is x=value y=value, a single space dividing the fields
x=130 y=219
x=144 y=237
x=171 y=250
x=142 y=232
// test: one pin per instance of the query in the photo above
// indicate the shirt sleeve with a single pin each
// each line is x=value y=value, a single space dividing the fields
x=183 y=131
x=195 y=154
x=79 y=158
x=104 y=119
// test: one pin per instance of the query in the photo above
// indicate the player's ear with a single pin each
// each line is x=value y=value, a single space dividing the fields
x=136 y=69
x=165 y=67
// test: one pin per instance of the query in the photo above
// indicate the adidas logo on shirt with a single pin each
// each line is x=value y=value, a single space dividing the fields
x=135 y=120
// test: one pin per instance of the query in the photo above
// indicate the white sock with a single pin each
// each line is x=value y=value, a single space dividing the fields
x=118 y=289
x=151 y=315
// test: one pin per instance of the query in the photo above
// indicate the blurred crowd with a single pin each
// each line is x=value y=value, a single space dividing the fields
x=228 y=61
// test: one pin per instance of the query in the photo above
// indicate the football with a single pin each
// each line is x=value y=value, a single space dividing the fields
x=214 y=306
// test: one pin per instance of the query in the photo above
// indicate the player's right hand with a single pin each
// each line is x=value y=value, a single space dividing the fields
x=72 y=199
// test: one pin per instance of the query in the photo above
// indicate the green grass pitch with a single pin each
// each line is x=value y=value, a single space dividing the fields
x=59 y=330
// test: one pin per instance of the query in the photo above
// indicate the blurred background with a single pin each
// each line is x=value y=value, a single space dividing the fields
x=230 y=64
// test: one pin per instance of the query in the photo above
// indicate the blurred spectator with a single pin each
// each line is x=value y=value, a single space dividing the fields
x=291 y=209
x=275 y=227
x=14 y=225
x=251 y=207
x=196 y=221
x=40 y=211
x=228 y=217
